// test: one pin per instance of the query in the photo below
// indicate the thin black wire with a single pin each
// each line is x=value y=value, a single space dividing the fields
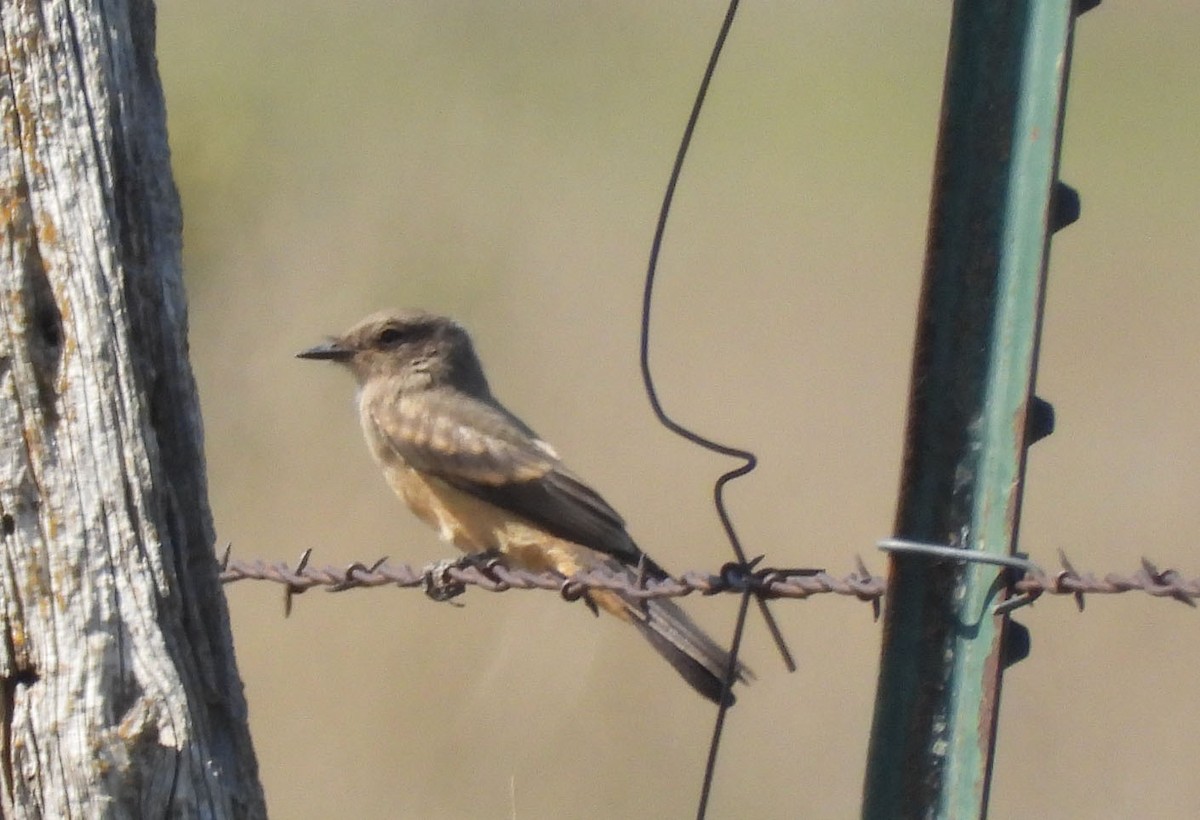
x=710 y=765
x=749 y=460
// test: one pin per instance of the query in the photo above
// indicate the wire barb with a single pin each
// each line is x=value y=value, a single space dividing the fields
x=292 y=589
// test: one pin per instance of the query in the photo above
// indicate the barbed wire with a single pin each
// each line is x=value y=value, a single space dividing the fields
x=445 y=580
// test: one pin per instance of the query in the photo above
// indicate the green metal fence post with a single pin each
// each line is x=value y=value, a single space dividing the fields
x=974 y=363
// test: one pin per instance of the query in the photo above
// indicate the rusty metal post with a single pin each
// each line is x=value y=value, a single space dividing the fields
x=994 y=207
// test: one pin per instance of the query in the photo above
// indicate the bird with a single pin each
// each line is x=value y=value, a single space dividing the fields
x=488 y=484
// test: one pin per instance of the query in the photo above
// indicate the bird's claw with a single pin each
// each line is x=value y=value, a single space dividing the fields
x=440 y=586
x=443 y=587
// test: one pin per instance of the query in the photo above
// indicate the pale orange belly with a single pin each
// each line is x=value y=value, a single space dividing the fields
x=475 y=526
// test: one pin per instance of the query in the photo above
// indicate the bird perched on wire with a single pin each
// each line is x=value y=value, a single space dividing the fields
x=483 y=479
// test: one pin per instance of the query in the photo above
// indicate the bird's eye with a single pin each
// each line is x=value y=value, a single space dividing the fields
x=390 y=336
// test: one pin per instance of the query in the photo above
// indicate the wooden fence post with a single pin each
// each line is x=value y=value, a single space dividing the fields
x=120 y=695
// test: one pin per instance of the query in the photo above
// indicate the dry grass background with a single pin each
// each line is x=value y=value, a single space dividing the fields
x=503 y=163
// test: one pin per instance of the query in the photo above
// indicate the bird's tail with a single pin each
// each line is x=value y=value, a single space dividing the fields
x=697 y=657
x=701 y=661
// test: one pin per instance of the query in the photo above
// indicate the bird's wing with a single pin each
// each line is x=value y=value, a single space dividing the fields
x=480 y=448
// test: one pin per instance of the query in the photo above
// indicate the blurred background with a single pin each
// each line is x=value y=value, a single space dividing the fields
x=503 y=163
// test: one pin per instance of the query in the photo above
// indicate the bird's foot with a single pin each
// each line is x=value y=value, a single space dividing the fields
x=441 y=586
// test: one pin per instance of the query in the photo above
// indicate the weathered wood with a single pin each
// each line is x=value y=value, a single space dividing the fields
x=120 y=693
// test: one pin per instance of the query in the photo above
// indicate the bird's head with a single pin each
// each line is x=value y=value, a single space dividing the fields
x=415 y=349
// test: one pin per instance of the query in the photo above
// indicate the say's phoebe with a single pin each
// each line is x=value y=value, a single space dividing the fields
x=485 y=481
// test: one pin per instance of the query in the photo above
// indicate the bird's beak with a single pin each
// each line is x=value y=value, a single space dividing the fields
x=332 y=350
